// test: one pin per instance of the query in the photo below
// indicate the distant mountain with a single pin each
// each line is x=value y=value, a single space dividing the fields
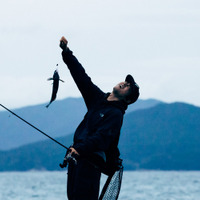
x=44 y=155
x=61 y=118
x=164 y=137
x=143 y=104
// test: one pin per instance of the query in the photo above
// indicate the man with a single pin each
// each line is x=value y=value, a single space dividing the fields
x=98 y=133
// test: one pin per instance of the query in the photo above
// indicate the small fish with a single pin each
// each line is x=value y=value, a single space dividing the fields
x=56 y=80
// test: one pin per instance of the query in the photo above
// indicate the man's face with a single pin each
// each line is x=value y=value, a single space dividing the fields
x=121 y=90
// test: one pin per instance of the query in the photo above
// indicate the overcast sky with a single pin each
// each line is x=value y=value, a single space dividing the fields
x=156 y=41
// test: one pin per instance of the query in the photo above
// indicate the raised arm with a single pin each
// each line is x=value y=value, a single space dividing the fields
x=88 y=89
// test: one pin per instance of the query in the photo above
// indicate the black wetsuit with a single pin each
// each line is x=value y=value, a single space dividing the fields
x=99 y=131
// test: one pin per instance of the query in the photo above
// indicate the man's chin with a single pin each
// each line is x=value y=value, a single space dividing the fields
x=116 y=91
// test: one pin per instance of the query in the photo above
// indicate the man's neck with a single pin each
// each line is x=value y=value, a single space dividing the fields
x=112 y=97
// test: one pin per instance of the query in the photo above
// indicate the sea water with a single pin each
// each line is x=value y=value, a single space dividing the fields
x=136 y=185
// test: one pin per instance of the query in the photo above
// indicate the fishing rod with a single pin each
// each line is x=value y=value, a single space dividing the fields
x=34 y=127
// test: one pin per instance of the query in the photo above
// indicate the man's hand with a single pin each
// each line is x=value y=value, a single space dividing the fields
x=63 y=43
x=73 y=151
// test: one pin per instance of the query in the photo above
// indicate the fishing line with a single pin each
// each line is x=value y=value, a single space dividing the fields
x=34 y=127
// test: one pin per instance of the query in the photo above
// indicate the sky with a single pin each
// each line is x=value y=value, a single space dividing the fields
x=156 y=41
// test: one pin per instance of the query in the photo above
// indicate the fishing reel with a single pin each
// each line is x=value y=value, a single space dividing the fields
x=68 y=159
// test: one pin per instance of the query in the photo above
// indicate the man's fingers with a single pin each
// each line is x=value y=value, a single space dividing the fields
x=63 y=39
x=63 y=43
x=73 y=151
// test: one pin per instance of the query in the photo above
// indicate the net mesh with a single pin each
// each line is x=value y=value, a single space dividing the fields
x=112 y=186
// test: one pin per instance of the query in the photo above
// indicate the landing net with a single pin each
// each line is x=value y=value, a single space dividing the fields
x=112 y=186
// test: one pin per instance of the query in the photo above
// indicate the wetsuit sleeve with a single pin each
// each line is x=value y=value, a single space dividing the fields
x=88 y=89
x=106 y=135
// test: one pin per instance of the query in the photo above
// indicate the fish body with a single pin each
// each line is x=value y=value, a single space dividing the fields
x=56 y=79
